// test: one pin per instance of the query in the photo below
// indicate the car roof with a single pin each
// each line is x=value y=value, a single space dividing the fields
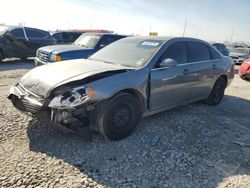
x=55 y=32
x=219 y=44
x=102 y=34
x=18 y=27
x=168 y=38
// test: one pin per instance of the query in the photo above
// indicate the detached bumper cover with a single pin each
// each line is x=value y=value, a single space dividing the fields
x=24 y=100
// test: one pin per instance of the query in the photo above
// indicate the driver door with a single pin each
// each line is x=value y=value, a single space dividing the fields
x=170 y=86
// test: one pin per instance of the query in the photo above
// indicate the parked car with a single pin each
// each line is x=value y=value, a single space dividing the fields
x=244 y=70
x=239 y=54
x=221 y=48
x=22 y=42
x=83 y=47
x=65 y=37
x=128 y=79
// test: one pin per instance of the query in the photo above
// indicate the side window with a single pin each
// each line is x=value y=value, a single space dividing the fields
x=214 y=53
x=32 y=33
x=177 y=52
x=65 y=36
x=17 y=32
x=58 y=36
x=199 y=52
x=107 y=40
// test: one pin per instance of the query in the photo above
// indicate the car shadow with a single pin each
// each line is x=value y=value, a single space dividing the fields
x=190 y=146
x=13 y=64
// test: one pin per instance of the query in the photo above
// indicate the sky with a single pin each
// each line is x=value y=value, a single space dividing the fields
x=211 y=20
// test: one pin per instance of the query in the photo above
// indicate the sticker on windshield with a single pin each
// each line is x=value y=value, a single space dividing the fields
x=150 y=43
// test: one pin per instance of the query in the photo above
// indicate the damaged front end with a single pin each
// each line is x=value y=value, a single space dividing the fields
x=72 y=105
x=67 y=106
x=66 y=102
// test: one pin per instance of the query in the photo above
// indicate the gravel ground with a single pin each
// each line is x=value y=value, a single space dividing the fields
x=191 y=146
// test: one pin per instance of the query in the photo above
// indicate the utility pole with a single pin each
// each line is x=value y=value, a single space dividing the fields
x=231 y=39
x=185 y=25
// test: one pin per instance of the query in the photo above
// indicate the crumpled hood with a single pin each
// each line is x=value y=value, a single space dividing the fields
x=42 y=80
x=62 y=48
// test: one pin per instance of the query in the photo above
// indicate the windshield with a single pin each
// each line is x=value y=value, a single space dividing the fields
x=131 y=52
x=3 y=29
x=240 y=50
x=88 y=41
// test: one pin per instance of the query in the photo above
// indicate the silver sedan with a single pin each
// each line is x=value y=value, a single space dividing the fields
x=129 y=79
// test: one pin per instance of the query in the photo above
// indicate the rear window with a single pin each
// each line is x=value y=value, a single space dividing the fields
x=32 y=33
x=199 y=52
x=17 y=32
x=214 y=54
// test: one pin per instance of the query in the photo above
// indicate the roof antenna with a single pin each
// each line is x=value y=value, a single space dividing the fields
x=184 y=31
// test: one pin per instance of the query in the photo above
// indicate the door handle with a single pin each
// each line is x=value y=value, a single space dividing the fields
x=186 y=71
x=214 y=66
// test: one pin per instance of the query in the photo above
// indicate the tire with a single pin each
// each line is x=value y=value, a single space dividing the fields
x=246 y=77
x=217 y=93
x=119 y=117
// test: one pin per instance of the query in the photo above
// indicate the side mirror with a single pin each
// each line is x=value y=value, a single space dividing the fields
x=168 y=63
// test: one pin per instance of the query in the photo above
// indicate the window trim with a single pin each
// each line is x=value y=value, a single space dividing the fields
x=25 y=35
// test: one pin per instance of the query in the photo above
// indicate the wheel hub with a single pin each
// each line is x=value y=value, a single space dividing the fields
x=121 y=116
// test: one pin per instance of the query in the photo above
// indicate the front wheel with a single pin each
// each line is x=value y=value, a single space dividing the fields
x=119 y=117
x=217 y=92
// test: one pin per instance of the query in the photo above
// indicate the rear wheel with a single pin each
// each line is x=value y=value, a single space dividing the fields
x=217 y=92
x=119 y=117
x=246 y=77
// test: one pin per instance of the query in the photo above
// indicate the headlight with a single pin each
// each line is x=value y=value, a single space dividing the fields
x=72 y=98
x=55 y=57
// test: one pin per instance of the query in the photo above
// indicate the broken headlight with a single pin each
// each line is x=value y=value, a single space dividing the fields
x=72 y=98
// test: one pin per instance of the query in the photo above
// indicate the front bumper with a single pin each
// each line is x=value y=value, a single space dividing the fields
x=238 y=60
x=24 y=100
x=31 y=104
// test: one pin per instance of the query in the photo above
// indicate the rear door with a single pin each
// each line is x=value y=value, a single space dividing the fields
x=170 y=86
x=36 y=39
x=204 y=68
x=16 y=43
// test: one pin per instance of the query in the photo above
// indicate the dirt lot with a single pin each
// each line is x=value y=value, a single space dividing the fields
x=191 y=146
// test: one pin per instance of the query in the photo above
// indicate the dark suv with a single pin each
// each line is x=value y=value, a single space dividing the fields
x=22 y=42
x=64 y=37
x=221 y=48
x=86 y=45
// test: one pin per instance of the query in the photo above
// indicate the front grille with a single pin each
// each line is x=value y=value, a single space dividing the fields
x=25 y=106
x=43 y=56
x=233 y=57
